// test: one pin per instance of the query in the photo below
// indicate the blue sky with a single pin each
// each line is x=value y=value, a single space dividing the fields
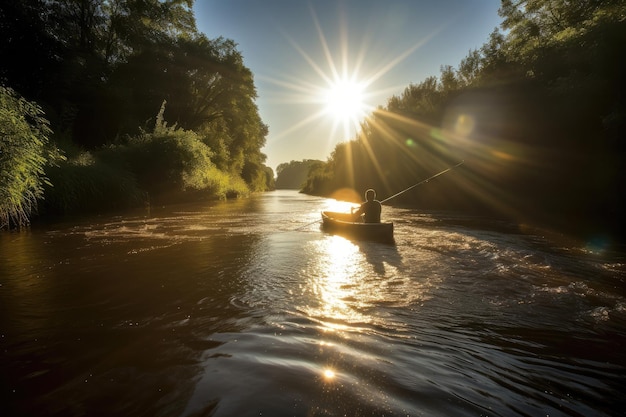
x=297 y=49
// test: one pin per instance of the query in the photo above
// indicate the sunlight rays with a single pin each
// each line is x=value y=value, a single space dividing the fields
x=376 y=162
x=342 y=91
x=431 y=148
x=337 y=93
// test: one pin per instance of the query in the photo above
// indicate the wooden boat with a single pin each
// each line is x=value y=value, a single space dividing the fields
x=347 y=225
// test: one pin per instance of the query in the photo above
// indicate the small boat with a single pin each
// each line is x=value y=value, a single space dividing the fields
x=347 y=225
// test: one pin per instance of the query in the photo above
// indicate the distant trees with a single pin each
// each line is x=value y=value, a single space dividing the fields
x=292 y=175
x=537 y=113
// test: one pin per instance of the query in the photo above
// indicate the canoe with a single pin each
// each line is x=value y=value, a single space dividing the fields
x=346 y=225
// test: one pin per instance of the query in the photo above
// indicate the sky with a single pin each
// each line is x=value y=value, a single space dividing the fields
x=321 y=66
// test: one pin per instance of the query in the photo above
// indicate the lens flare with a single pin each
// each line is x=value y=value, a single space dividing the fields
x=464 y=125
x=329 y=374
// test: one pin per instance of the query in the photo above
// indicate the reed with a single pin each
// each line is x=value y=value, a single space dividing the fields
x=24 y=152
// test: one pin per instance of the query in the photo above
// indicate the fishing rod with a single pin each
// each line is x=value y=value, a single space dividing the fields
x=423 y=181
x=308 y=224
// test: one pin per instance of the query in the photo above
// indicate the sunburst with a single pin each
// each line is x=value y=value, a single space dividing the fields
x=343 y=93
x=344 y=101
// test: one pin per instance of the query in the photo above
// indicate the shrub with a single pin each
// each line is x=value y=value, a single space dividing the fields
x=24 y=152
x=85 y=184
x=171 y=162
x=167 y=164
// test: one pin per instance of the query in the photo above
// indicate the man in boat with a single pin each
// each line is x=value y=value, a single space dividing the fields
x=370 y=209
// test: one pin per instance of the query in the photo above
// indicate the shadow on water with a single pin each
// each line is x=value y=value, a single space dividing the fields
x=380 y=255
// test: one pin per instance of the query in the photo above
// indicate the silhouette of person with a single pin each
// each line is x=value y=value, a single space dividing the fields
x=370 y=209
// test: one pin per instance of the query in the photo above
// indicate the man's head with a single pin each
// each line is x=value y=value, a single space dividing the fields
x=370 y=195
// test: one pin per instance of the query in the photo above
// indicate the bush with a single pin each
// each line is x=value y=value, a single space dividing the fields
x=170 y=163
x=24 y=152
x=85 y=184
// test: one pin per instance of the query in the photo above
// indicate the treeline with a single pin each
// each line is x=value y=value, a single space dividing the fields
x=293 y=174
x=96 y=75
x=537 y=113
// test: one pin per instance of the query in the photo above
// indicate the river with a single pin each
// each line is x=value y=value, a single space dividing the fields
x=247 y=308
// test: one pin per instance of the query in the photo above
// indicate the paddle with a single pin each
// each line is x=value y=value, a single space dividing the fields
x=401 y=192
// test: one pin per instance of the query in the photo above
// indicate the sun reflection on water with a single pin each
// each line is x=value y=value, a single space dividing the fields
x=353 y=288
x=335 y=282
x=342 y=204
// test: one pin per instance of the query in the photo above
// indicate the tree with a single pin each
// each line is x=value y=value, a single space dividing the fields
x=113 y=63
x=31 y=54
x=74 y=47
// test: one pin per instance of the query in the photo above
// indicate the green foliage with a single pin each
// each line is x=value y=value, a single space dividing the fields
x=423 y=101
x=270 y=182
x=30 y=53
x=24 y=152
x=320 y=180
x=170 y=161
x=107 y=66
x=293 y=175
x=254 y=175
x=84 y=184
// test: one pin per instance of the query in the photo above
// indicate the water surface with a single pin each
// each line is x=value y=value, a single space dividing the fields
x=247 y=308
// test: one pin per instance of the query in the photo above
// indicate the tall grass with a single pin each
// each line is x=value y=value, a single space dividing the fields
x=24 y=152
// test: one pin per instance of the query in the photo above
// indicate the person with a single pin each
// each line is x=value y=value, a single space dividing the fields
x=370 y=209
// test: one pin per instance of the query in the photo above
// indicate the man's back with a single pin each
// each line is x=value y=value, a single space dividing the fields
x=371 y=211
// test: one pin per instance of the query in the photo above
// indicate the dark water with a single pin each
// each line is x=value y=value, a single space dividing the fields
x=235 y=309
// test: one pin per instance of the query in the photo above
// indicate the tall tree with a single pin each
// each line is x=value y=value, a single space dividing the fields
x=31 y=52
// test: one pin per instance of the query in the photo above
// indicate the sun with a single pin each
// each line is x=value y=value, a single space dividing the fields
x=344 y=100
x=339 y=87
